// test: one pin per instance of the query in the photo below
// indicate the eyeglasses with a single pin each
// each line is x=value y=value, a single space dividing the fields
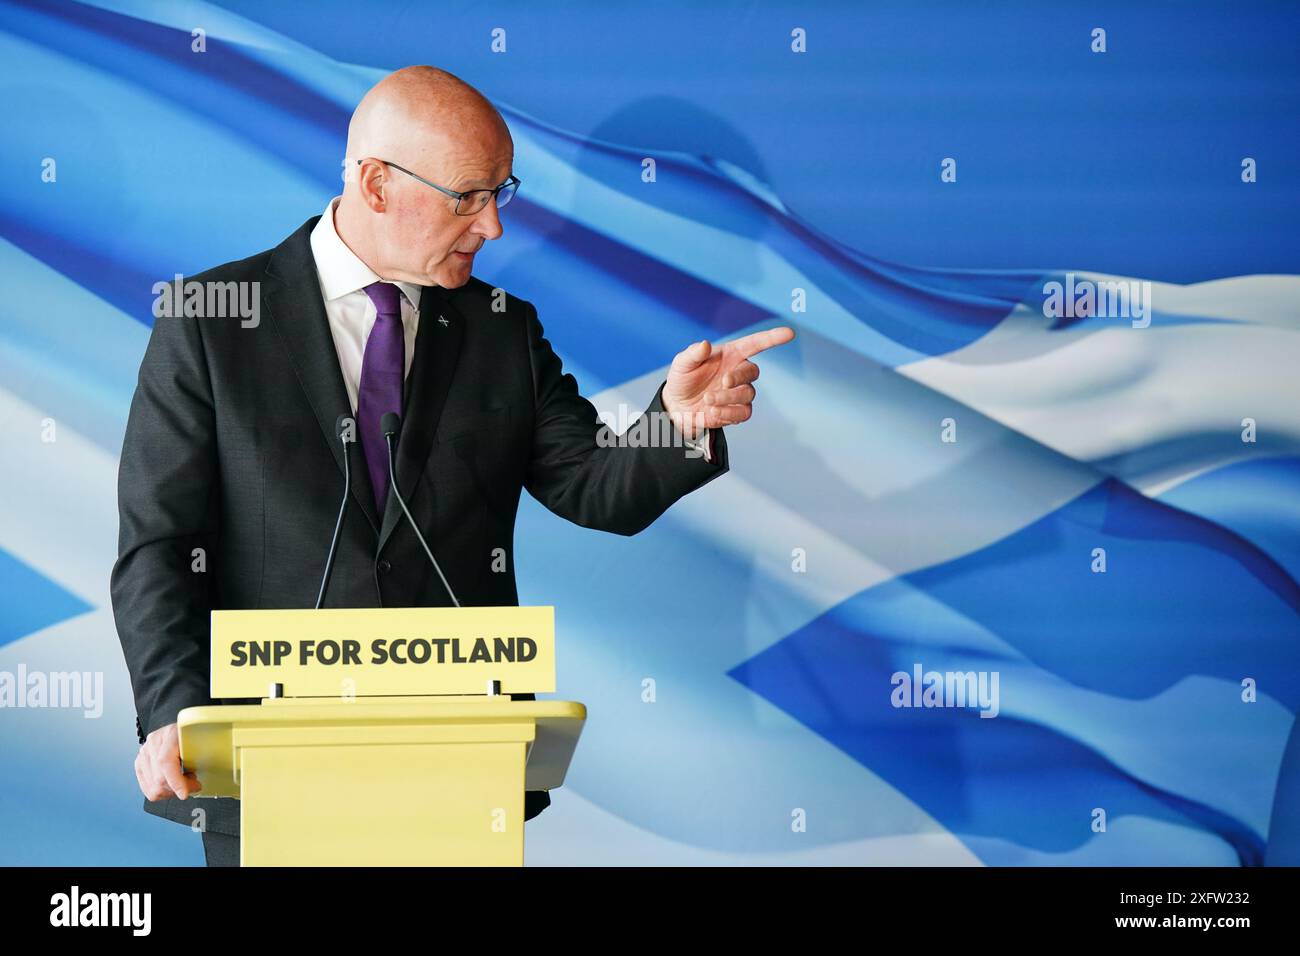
x=470 y=202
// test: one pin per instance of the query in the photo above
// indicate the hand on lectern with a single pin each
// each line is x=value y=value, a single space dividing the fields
x=158 y=766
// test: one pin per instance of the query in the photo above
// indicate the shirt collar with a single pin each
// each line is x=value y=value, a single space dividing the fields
x=340 y=271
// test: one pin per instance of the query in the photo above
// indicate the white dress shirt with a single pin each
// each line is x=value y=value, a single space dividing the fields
x=343 y=279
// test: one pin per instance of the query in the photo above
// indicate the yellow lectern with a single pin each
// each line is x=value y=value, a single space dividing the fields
x=370 y=747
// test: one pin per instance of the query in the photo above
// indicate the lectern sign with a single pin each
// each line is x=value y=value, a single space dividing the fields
x=371 y=652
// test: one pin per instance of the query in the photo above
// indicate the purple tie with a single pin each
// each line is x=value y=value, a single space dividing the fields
x=382 y=372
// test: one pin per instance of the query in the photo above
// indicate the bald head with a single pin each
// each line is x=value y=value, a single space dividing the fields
x=418 y=108
x=442 y=130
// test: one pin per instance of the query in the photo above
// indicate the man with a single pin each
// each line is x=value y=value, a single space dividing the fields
x=231 y=471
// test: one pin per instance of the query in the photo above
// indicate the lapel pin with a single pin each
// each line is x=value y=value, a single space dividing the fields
x=443 y=320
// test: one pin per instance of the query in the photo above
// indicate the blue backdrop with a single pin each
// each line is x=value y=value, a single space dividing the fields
x=1099 y=513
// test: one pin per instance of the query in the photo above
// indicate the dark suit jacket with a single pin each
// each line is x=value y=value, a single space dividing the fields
x=230 y=447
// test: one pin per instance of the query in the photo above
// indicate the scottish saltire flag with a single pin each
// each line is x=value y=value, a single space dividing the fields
x=1004 y=572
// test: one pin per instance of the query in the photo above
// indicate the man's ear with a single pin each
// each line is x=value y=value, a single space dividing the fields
x=371 y=182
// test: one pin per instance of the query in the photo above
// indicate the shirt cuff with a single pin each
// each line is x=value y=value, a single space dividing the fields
x=705 y=444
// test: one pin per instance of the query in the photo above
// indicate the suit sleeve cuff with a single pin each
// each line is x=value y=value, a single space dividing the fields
x=713 y=452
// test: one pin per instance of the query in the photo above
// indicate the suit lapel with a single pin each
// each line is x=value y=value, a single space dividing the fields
x=297 y=311
x=438 y=343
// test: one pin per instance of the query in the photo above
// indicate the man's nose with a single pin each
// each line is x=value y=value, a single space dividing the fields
x=487 y=223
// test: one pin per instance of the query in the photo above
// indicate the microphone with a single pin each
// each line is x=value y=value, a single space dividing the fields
x=345 y=431
x=389 y=424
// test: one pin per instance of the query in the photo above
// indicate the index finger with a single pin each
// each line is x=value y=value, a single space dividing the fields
x=756 y=342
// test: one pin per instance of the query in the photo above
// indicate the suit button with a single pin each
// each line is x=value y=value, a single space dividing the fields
x=384 y=566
